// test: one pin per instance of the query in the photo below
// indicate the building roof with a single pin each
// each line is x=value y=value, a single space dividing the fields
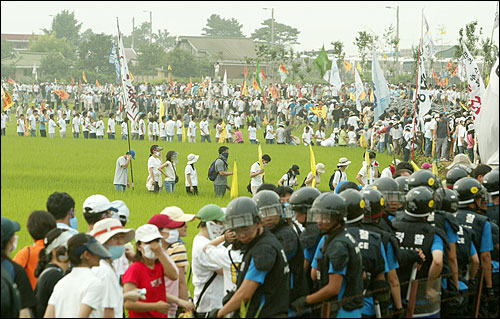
x=130 y=54
x=17 y=37
x=235 y=49
x=25 y=59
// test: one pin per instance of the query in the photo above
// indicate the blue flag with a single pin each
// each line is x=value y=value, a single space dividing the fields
x=113 y=59
x=381 y=92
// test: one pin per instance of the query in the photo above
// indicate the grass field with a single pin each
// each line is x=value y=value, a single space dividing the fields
x=34 y=168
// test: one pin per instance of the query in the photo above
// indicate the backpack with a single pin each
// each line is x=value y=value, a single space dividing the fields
x=212 y=173
x=330 y=182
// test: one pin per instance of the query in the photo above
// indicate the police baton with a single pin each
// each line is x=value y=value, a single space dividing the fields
x=325 y=309
x=478 y=295
x=411 y=294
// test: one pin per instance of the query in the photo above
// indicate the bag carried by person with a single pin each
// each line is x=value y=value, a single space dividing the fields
x=212 y=173
x=330 y=182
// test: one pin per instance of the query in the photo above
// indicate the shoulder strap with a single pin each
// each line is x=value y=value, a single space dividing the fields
x=205 y=287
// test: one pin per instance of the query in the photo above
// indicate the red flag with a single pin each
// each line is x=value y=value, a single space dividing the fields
x=263 y=75
x=11 y=81
x=443 y=82
x=62 y=94
x=171 y=81
x=84 y=77
x=455 y=71
x=406 y=109
x=298 y=87
x=43 y=106
x=245 y=71
x=449 y=65
x=80 y=83
x=121 y=106
x=97 y=83
x=189 y=86
x=264 y=99
x=72 y=81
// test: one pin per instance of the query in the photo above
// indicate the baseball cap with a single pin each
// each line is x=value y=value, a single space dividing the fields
x=122 y=212
x=97 y=204
x=147 y=233
x=132 y=152
x=9 y=227
x=177 y=214
x=210 y=212
x=295 y=168
x=163 y=221
x=106 y=228
x=155 y=147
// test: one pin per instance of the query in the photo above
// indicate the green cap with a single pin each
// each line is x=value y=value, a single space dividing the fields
x=210 y=212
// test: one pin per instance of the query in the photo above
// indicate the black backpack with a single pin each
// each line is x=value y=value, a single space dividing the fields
x=212 y=173
x=330 y=182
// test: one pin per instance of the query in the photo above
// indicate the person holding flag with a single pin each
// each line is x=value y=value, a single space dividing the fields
x=369 y=172
x=257 y=172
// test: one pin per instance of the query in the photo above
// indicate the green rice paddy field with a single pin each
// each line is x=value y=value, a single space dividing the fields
x=34 y=168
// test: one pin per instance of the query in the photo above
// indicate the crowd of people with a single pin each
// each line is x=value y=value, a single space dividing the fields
x=288 y=251
x=202 y=112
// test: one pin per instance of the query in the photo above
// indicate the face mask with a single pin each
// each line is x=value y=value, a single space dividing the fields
x=173 y=236
x=73 y=223
x=225 y=155
x=148 y=253
x=175 y=159
x=116 y=251
x=62 y=258
x=214 y=230
x=157 y=153
x=14 y=243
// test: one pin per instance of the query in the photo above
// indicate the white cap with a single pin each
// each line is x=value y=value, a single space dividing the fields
x=343 y=161
x=147 y=233
x=320 y=168
x=123 y=212
x=177 y=214
x=97 y=204
x=192 y=158
x=108 y=227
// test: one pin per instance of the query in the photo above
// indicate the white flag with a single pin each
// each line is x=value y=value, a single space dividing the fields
x=35 y=72
x=380 y=88
x=423 y=100
x=224 y=85
x=360 y=91
x=428 y=44
x=487 y=128
x=495 y=23
x=476 y=86
x=131 y=107
x=335 y=76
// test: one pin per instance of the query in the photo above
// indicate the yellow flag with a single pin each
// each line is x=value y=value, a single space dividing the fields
x=131 y=76
x=259 y=150
x=434 y=168
x=362 y=140
x=162 y=108
x=487 y=80
x=358 y=66
x=372 y=96
x=264 y=121
x=367 y=160
x=352 y=96
x=433 y=148
x=7 y=101
x=169 y=68
x=183 y=133
x=223 y=134
x=347 y=66
x=464 y=107
x=320 y=111
x=234 y=185
x=415 y=166
x=313 y=165
x=385 y=56
x=84 y=77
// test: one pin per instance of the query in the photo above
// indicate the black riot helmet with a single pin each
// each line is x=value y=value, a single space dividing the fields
x=447 y=200
x=241 y=212
x=468 y=190
x=302 y=199
x=419 y=201
x=454 y=174
x=374 y=203
x=326 y=207
x=490 y=181
x=390 y=189
x=354 y=203
x=402 y=184
x=269 y=203
x=423 y=177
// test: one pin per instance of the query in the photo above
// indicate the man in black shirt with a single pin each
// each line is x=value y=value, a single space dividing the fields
x=442 y=137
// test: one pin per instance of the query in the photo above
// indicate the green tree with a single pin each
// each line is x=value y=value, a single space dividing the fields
x=93 y=57
x=471 y=39
x=185 y=64
x=149 y=58
x=365 y=42
x=65 y=25
x=284 y=35
x=50 y=43
x=490 y=52
x=391 y=41
x=7 y=49
x=140 y=35
x=220 y=27
x=54 y=67
x=164 y=39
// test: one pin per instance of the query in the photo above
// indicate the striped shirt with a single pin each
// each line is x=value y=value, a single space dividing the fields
x=178 y=253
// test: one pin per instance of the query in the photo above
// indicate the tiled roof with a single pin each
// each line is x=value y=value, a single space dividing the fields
x=231 y=48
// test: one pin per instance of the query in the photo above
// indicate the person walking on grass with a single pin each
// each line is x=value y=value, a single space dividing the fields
x=121 y=181
x=221 y=166
x=171 y=177
x=191 y=174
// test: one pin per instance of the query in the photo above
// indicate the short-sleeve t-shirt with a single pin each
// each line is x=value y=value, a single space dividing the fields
x=154 y=163
x=220 y=165
x=192 y=174
x=151 y=279
x=257 y=180
x=44 y=287
x=120 y=172
x=27 y=258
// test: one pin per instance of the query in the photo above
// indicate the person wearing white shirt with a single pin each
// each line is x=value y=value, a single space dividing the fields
x=192 y=130
x=428 y=127
x=32 y=121
x=397 y=134
x=218 y=130
x=270 y=132
x=111 y=127
x=52 y=126
x=92 y=128
x=170 y=129
x=364 y=177
x=156 y=128
x=280 y=134
x=62 y=126
x=229 y=130
x=340 y=174
x=4 y=122
x=205 y=130
x=179 y=125
x=252 y=133
x=100 y=128
x=124 y=130
x=257 y=173
x=150 y=129
x=142 y=128
x=191 y=175
x=461 y=136
x=134 y=128
x=353 y=120
x=20 y=125
x=307 y=136
x=163 y=132
x=351 y=135
x=320 y=135
x=75 y=124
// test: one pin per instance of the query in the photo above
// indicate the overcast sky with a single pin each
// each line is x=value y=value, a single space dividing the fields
x=319 y=23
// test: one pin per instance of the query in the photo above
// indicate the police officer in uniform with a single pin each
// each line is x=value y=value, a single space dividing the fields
x=490 y=181
x=454 y=174
x=340 y=272
x=372 y=253
x=263 y=279
x=415 y=232
x=393 y=196
x=472 y=199
x=272 y=218
x=402 y=184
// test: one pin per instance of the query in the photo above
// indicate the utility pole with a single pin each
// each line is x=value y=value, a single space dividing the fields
x=133 y=30
x=272 y=39
x=150 y=26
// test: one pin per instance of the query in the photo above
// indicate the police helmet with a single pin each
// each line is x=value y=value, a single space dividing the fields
x=454 y=175
x=402 y=184
x=354 y=203
x=490 y=181
x=374 y=203
x=302 y=199
x=327 y=206
x=468 y=189
x=447 y=200
x=390 y=189
x=269 y=203
x=423 y=177
x=419 y=201
x=241 y=212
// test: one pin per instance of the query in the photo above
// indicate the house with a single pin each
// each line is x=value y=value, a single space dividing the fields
x=230 y=52
x=131 y=56
x=23 y=62
x=19 y=41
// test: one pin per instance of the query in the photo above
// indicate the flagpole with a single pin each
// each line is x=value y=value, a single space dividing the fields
x=491 y=43
x=416 y=89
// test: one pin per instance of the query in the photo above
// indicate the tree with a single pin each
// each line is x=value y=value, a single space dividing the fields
x=93 y=57
x=470 y=39
x=284 y=35
x=365 y=42
x=185 y=64
x=490 y=53
x=392 y=42
x=220 y=27
x=50 y=43
x=7 y=49
x=65 y=25
x=53 y=67
x=163 y=39
x=140 y=35
x=149 y=58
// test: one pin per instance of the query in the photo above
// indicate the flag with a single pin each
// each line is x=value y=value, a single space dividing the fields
x=80 y=83
x=423 y=99
x=169 y=68
x=385 y=56
x=298 y=88
x=476 y=86
x=321 y=63
x=162 y=108
x=320 y=111
x=35 y=72
x=189 y=86
x=130 y=104
x=347 y=66
x=225 y=90
x=131 y=76
x=62 y=94
x=255 y=85
x=113 y=59
x=171 y=81
x=358 y=66
x=380 y=89
x=7 y=101
x=335 y=76
x=313 y=165
x=84 y=77
x=362 y=140
x=360 y=91
x=244 y=90
x=11 y=81
x=434 y=168
x=223 y=134
x=183 y=133
x=487 y=124
x=259 y=153
x=264 y=121
x=245 y=70
x=283 y=72
x=415 y=166
x=495 y=22
x=263 y=74
x=234 y=184
x=372 y=96
x=258 y=80
x=428 y=45
x=434 y=75
x=72 y=81
x=367 y=164
x=97 y=83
